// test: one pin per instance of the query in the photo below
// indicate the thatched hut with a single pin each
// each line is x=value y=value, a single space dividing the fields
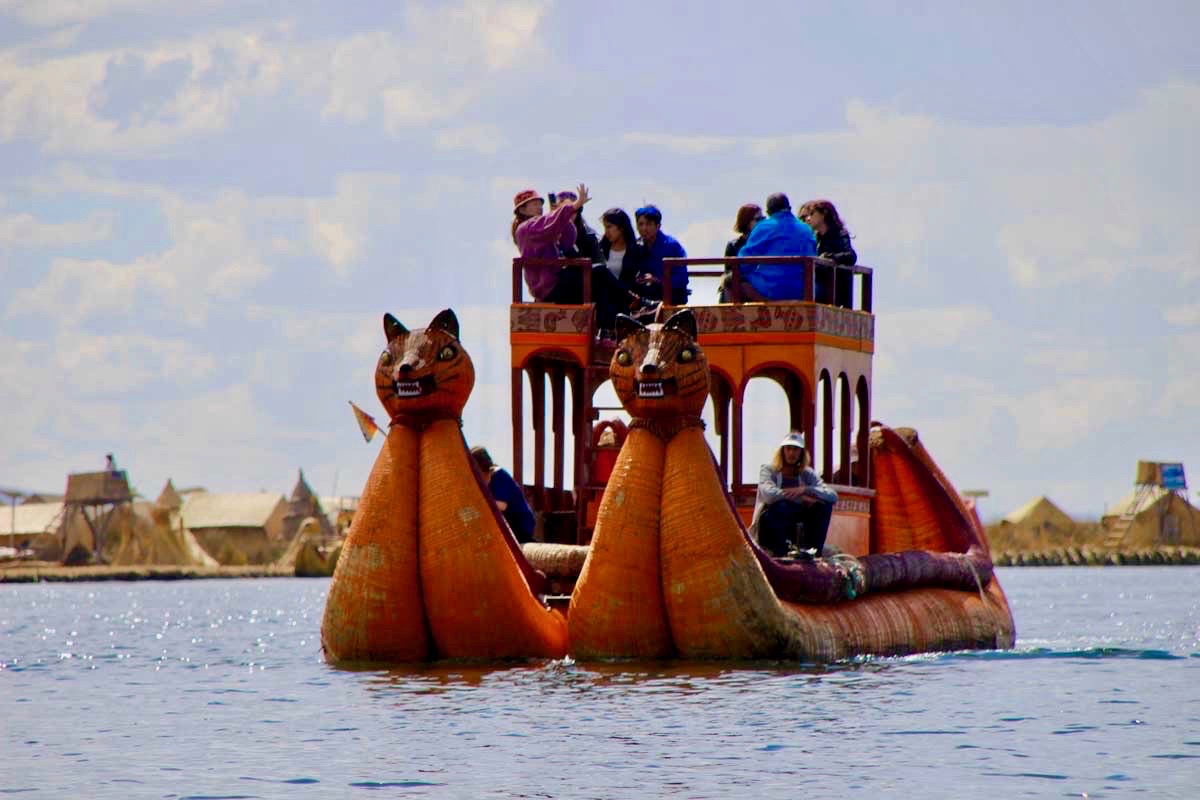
x=1151 y=517
x=36 y=527
x=237 y=528
x=1037 y=525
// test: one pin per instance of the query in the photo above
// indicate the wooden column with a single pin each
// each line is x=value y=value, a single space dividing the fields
x=518 y=425
x=558 y=427
x=737 y=440
x=827 y=414
x=844 y=425
x=537 y=380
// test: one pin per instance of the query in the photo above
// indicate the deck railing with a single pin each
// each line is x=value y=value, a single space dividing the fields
x=808 y=264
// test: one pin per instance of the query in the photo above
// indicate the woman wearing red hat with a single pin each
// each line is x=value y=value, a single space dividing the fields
x=539 y=235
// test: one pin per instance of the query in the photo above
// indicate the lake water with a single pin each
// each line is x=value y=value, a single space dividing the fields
x=216 y=689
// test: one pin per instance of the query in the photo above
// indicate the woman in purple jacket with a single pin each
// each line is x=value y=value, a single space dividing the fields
x=539 y=235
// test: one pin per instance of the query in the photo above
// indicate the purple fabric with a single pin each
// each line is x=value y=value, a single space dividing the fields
x=545 y=237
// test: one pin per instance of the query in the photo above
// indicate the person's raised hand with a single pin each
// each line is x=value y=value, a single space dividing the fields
x=583 y=197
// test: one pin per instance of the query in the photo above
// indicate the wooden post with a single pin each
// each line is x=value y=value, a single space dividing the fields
x=581 y=412
x=518 y=425
x=516 y=280
x=537 y=379
x=827 y=427
x=844 y=423
x=736 y=479
x=557 y=408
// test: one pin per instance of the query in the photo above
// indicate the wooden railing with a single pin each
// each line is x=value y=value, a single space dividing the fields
x=809 y=264
x=519 y=265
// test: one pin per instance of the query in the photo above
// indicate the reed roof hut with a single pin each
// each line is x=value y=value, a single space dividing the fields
x=1153 y=516
x=1037 y=525
x=237 y=528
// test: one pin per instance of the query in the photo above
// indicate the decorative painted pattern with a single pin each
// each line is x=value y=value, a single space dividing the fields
x=853 y=505
x=546 y=318
x=785 y=318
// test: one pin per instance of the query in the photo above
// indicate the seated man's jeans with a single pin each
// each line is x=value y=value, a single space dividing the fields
x=777 y=526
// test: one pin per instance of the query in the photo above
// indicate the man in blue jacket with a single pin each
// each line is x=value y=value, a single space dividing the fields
x=658 y=246
x=780 y=234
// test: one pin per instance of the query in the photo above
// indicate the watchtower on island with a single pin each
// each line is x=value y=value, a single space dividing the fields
x=819 y=353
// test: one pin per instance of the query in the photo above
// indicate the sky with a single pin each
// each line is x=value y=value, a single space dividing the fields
x=206 y=208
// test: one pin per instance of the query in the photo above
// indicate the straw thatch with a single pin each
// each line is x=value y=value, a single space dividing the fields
x=236 y=528
x=1153 y=517
x=1037 y=525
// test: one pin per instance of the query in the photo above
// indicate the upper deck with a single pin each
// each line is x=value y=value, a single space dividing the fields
x=569 y=330
x=818 y=349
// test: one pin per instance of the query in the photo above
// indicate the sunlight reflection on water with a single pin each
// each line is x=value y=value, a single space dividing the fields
x=217 y=689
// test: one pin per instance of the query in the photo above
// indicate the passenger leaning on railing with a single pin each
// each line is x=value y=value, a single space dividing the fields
x=833 y=242
x=548 y=236
x=658 y=246
x=625 y=259
x=780 y=234
x=749 y=215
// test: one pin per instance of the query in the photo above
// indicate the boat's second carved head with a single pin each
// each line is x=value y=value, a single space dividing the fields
x=424 y=372
x=660 y=370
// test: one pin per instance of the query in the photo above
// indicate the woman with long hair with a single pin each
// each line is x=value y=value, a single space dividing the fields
x=794 y=506
x=833 y=242
x=748 y=215
x=624 y=259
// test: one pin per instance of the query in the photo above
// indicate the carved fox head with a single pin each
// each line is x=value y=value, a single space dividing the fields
x=424 y=372
x=660 y=370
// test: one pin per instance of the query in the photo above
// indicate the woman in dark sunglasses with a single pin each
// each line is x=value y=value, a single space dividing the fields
x=749 y=215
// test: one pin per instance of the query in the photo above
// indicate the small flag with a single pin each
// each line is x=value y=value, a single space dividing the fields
x=366 y=423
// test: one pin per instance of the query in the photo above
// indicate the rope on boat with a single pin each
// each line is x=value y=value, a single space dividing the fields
x=978 y=582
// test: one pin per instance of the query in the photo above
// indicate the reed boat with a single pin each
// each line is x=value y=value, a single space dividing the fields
x=670 y=569
x=646 y=553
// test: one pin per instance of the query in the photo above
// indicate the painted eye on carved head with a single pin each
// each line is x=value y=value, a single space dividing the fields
x=623 y=358
x=446 y=353
x=686 y=354
x=385 y=359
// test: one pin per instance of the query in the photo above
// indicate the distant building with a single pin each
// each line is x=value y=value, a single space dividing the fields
x=302 y=504
x=1036 y=525
x=34 y=526
x=339 y=510
x=1152 y=516
x=237 y=528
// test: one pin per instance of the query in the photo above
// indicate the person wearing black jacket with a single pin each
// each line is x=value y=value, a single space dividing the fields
x=833 y=243
x=625 y=260
x=587 y=242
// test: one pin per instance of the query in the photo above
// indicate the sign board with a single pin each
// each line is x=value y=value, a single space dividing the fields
x=1172 y=476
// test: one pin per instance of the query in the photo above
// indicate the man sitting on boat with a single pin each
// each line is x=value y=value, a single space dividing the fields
x=780 y=234
x=794 y=505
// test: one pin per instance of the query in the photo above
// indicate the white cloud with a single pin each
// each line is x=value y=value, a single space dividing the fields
x=212 y=257
x=1183 y=315
x=132 y=101
x=26 y=230
x=52 y=13
x=1070 y=411
x=485 y=139
x=683 y=145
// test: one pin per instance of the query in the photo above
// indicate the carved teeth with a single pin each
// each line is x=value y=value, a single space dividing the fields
x=407 y=388
x=654 y=389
